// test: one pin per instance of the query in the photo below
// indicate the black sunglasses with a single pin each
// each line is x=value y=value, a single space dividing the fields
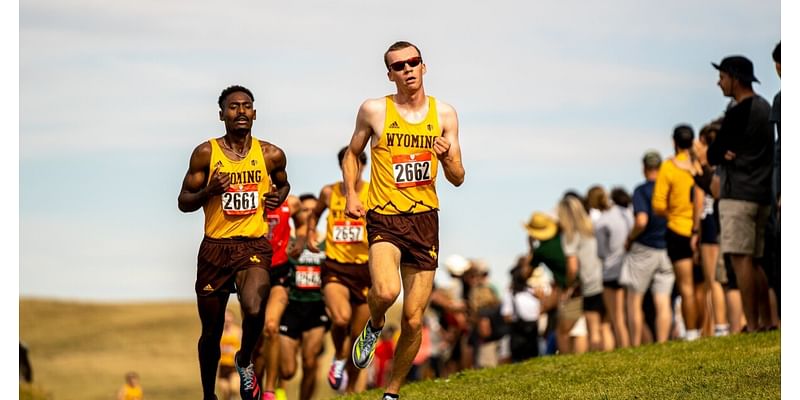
x=400 y=65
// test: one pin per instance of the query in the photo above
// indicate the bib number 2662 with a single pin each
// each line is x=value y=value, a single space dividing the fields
x=412 y=169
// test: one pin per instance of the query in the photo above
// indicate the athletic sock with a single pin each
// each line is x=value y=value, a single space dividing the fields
x=721 y=330
x=390 y=396
x=692 y=334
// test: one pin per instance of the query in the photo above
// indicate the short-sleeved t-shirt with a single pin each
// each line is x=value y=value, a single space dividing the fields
x=551 y=254
x=590 y=268
x=653 y=235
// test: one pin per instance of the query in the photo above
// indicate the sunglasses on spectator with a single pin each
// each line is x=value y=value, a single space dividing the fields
x=400 y=65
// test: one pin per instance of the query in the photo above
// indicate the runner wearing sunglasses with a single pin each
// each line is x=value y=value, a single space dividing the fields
x=410 y=134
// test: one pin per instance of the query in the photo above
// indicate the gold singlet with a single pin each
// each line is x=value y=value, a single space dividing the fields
x=239 y=211
x=404 y=165
x=346 y=240
x=132 y=392
x=228 y=346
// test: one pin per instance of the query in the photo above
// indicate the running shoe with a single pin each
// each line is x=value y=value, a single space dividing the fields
x=364 y=346
x=248 y=388
x=336 y=373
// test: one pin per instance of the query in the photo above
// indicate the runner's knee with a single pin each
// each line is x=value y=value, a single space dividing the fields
x=412 y=324
x=341 y=318
x=384 y=294
x=271 y=328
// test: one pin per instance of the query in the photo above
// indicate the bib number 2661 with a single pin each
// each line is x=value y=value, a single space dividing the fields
x=240 y=200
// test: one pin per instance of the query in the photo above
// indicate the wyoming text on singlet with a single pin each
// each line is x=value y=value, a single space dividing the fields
x=239 y=211
x=404 y=165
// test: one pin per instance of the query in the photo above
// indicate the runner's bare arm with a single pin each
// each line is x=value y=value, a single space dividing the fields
x=363 y=132
x=313 y=218
x=276 y=165
x=300 y=231
x=447 y=147
x=194 y=191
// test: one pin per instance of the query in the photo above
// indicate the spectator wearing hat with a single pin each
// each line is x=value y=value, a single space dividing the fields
x=646 y=265
x=545 y=248
x=744 y=151
x=672 y=198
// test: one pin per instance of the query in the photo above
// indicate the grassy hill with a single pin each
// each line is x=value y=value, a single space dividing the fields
x=80 y=351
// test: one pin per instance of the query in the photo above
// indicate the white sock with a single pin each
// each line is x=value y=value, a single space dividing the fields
x=692 y=334
x=721 y=330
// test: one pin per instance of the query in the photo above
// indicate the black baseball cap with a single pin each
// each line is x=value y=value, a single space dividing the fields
x=738 y=67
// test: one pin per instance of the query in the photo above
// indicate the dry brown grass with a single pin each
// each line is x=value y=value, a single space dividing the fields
x=81 y=351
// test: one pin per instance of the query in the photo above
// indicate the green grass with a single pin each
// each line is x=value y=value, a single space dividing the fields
x=734 y=367
x=81 y=351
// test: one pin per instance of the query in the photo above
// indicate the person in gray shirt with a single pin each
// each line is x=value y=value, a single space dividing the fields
x=580 y=250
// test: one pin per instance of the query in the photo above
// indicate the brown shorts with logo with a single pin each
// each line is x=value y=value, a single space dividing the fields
x=416 y=235
x=352 y=276
x=219 y=260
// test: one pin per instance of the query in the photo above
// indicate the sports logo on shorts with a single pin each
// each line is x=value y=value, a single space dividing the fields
x=432 y=252
x=208 y=288
x=255 y=260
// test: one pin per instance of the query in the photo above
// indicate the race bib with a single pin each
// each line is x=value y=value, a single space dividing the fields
x=307 y=277
x=240 y=199
x=348 y=232
x=412 y=169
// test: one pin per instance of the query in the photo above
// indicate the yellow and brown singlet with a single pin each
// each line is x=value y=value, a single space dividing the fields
x=239 y=212
x=229 y=344
x=132 y=392
x=404 y=165
x=346 y=238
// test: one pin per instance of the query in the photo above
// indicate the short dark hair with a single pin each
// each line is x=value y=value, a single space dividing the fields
x=620 y=197
x=398 y=46
x=709 y=131
x=361 y=157
x=776 y=54
x=307 y=196
x=683 y=136
x=233 y=89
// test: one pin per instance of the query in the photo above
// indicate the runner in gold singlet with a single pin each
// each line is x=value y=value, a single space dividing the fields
x=232 y=179
x=345 y=273
x=410 y=134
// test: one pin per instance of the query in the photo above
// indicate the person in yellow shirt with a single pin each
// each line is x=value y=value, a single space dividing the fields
x=673 y=198
x=345 y=273
x=234 y=178
x=410 y=134
x=132 y=389
x=227 y=378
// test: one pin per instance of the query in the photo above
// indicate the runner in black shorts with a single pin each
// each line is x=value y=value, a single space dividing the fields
x=305 y=321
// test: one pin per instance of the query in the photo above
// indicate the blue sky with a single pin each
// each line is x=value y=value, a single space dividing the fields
x=551 y=95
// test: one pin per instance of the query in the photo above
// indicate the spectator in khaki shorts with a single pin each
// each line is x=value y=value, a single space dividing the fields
x=744 y=152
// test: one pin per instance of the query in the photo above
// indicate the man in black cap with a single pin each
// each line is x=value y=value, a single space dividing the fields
x=744 y=152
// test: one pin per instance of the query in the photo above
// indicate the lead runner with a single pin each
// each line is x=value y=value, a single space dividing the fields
x=410 y=134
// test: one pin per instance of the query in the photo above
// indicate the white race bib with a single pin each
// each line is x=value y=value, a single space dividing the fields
x=307 y=277
x=345 y=232
x=240 y=199
x=412 y=169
